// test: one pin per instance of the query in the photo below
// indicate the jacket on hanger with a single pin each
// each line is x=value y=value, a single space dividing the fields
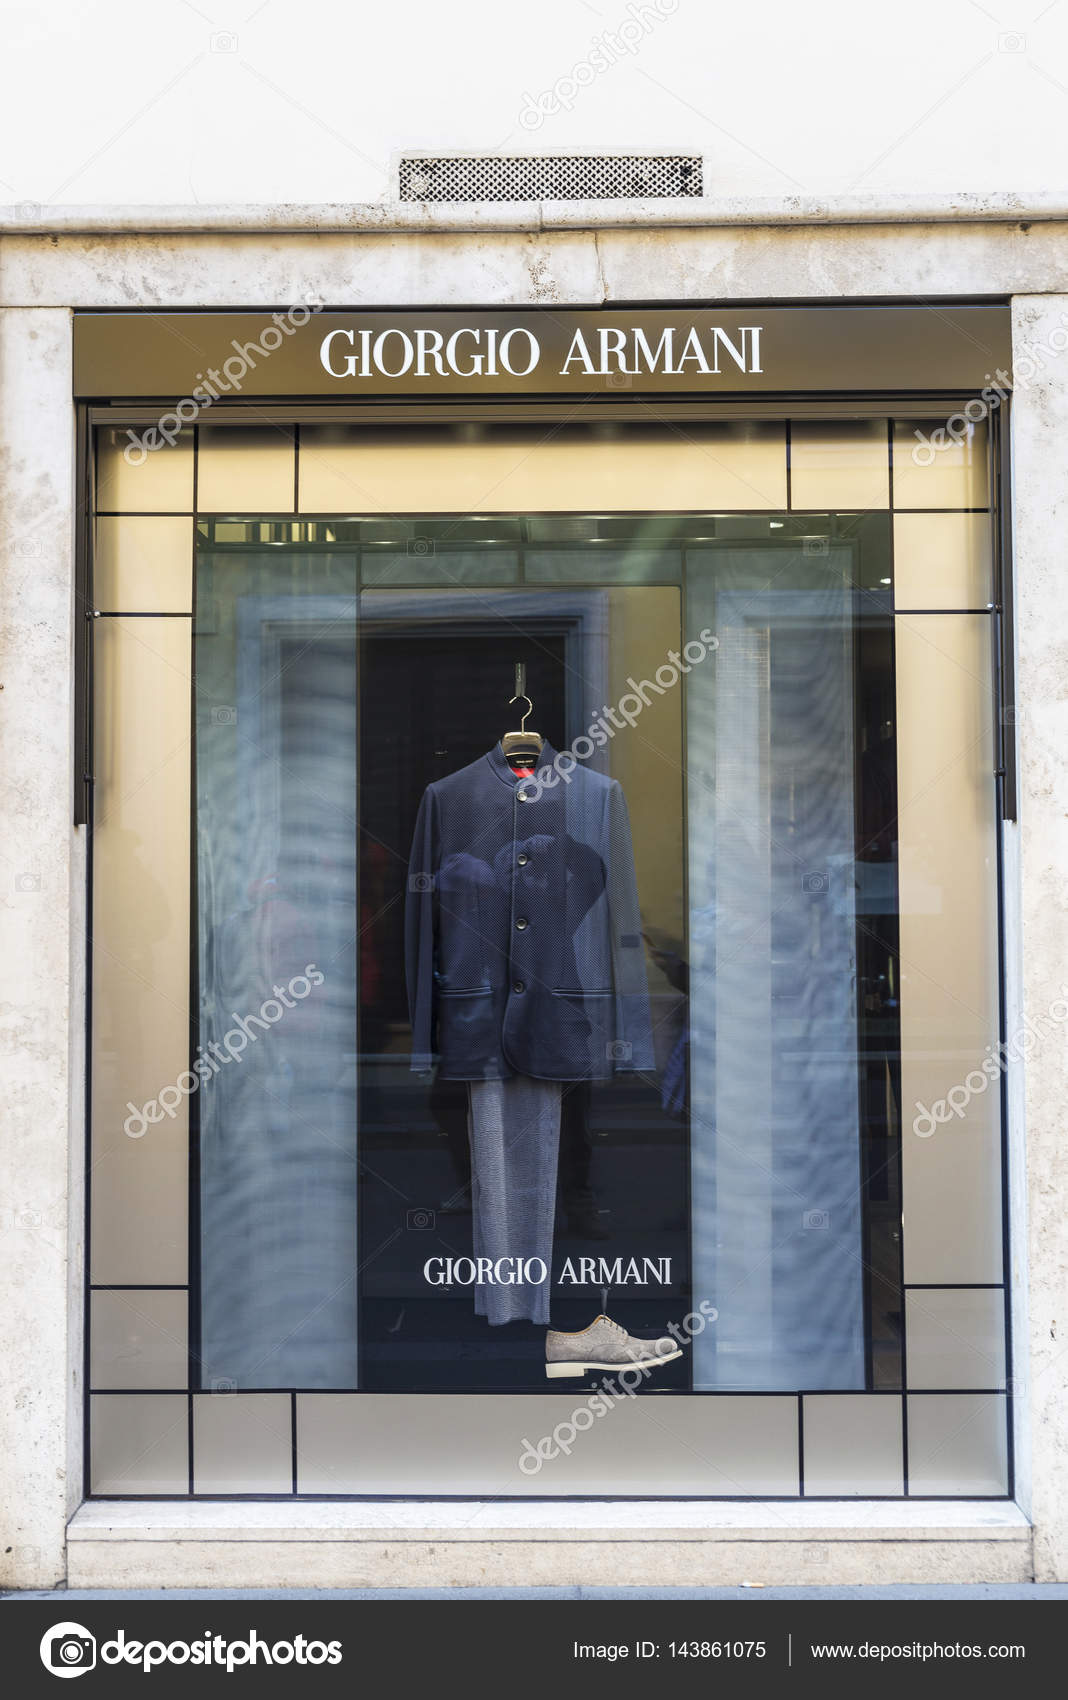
x=524 y=952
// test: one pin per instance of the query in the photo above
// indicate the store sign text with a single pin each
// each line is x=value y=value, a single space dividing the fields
x=522 y=1271
x=476 y=351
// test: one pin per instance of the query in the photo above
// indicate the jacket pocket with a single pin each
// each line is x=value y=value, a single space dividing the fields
x=467 y=1027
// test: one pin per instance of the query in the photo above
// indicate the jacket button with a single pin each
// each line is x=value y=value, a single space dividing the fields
x=522 y=860
x=523 y=796
x=518 y=986
x=522 y=923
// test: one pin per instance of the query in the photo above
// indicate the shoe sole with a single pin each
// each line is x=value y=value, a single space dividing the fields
x=555 y=1371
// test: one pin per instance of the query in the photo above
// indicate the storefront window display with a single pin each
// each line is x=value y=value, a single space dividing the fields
x=579 y=869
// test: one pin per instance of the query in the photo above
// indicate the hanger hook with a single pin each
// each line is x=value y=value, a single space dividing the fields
x=521 y=693
x=521 y=696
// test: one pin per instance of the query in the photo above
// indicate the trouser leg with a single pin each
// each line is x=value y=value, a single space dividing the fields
x=515 y=1142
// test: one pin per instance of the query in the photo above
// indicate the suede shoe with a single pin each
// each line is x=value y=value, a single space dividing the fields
x=604 y=1345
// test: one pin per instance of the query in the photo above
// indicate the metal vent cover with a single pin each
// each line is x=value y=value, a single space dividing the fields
x=551 y=177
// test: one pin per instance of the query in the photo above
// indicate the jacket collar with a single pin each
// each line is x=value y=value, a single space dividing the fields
x=499 y=763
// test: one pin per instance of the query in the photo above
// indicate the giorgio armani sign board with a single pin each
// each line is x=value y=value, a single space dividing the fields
x=313 y=352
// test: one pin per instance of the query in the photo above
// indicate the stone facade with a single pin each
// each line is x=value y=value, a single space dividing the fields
x=270 y=261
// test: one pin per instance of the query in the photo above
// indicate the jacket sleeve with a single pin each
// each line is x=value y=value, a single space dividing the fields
x=633 y=1028
x=420 y=917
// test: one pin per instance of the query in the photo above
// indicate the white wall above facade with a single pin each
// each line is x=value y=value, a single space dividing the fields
x=179 y=104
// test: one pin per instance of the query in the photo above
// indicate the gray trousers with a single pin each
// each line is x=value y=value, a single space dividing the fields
x=514 y=1127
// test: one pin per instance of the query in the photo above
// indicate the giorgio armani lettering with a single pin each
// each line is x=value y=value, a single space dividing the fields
x=499 y=1272
x=675 y=351
x=616 y=1272
x=576 y=1272
x=493 y=351
x=472 y=351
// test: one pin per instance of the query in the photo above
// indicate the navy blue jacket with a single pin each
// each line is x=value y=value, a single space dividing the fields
x=523 y=939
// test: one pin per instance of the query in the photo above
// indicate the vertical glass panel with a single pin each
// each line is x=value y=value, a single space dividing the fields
x=958 y=1444
x=133 y=479
x=468 y=469
x=139 y=1443
x=144 y=565
x=942 y=561
x=852 y=1445
x=956 y=1338
x=139 y=1339
x=245 y=471
x=140 y=951
x=242 y=1443
x=934 y=469
x=950 y=1068
x=839 y=464
x=792 y=895
x=277 y=965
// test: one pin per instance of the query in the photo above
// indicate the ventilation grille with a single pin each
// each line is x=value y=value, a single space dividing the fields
x=565 y=177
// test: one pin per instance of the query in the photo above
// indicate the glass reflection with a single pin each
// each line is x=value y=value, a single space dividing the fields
x=344 y=666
